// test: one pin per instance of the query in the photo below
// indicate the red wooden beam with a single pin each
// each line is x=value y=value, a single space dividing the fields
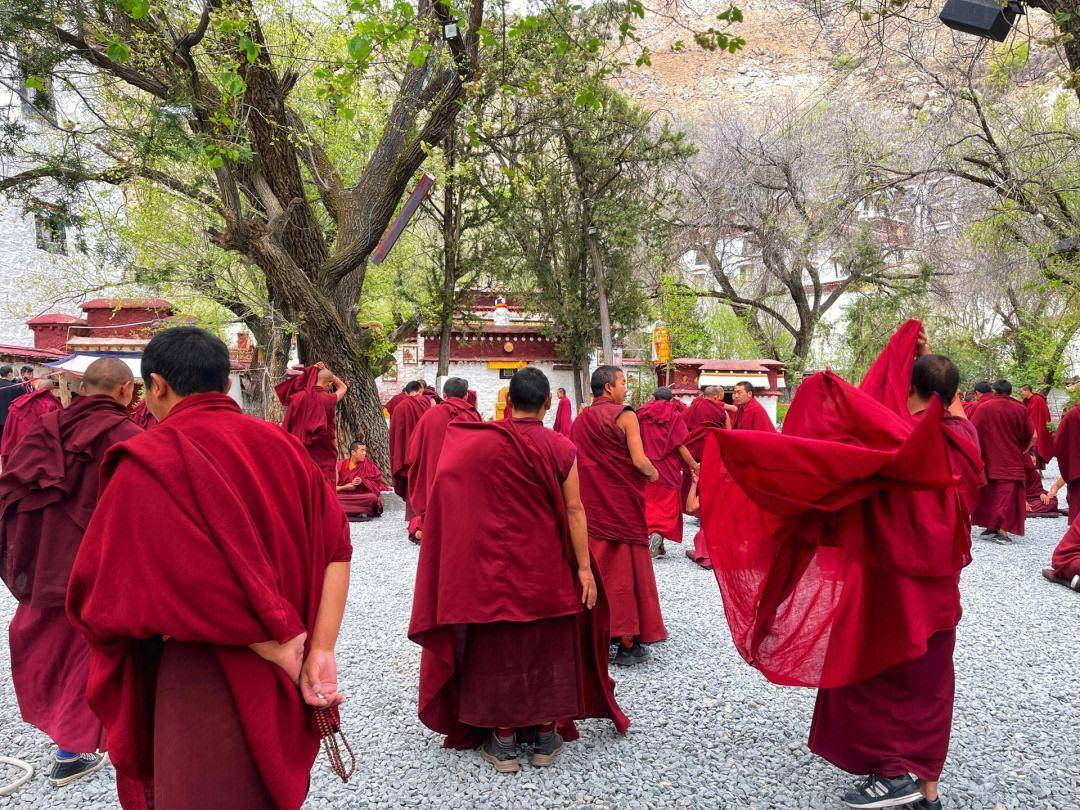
x=401 y=221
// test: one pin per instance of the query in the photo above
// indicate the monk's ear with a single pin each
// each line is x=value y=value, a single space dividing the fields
x=127 y=392
x=157 y=386
x=228 y=384
x=547 y=403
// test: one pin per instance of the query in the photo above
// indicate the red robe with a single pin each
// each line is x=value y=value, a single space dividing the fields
x=613 y=494
x=402 y=423
x=752 y=416
x=823 y=585
x=564 y=417
x=425 y=445
x=48 y=491
x=969 y=407
x=1004 y=434
x=141 y=416
x=1034 y=490
x=475 y=578
x=663 y=432
x=702 y=415
x=1066 y=558
x=23 y=415
x=394 y=401
x=1067 y=450
x=243 y=527
x=1039 y=415
x=364 y=501
x=309 y=416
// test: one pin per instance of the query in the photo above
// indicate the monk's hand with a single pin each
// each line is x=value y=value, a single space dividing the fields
x=289 y=656
x=318 y=680
x=1045 y=498
x=922 y=343
x=588 y=587
x=652 y=474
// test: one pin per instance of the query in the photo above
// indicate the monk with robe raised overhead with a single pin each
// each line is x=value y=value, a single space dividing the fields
x=403 y=422
x=426 y=445
x=1067 y=450
x=1006 y=437
x=1039 y=413
x=827 y=587
x=359 y=482
x=310 y=396
x=564 y=414
x=613 y=469
x=664 y=436
x=48 y=491
x=211 y=581
x=514 y=628
x=1065 y=562
x=24 y=412
x=749 y=414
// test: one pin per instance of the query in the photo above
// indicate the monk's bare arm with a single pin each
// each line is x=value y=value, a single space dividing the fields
x=628 y=422
x=318 y=678
x=692 y=499
x=688 y=459
x=339 y=388
x=579 y=536
x=956 y=407
x=1055 y=488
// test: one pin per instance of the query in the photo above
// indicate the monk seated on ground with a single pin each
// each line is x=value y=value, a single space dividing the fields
x=359 y=482
x=1065 y=563
x=1039 y=502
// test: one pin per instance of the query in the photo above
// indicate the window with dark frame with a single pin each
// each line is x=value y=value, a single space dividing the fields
x=51 y=232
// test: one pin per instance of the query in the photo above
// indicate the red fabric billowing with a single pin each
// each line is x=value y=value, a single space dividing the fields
x=1004 y=434
x=663 y=511
x=48 y=491
x=402 y=423
x=505 y=558
x=888 y=380
x=663 y=432
x=1039 y=415
x=1066 y=557
x=309 y=416
x=426 y=444
x=1067 y=448
x=612 y=489
x=364 y=501
x=236 y=528
x=851 y=536
x=752 y=416
x=23 y=414
x=141 y=416
x=564 y=417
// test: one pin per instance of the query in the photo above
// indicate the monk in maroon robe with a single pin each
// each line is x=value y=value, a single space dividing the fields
x=426 y=444
x=393 y=402
x=1065 y=563
x=309 y=413
x=1005 y=436
x=614 y=469
x=699 y=552
x=514 y=627
x=429 y=392
x=564 y=415
x=749 y=414
x=471 y=398
x=403 y=422
x=24 y=413
x=48 y=491
x=1037 y=505
x=359 y=482
x=210 y=582
x=664 y=436
x=823 y=584
x=1067 y=450
x=1039 y=414
x=141 y=416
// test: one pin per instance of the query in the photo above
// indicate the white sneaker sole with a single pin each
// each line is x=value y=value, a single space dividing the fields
x=501 y=765
x=892 y=801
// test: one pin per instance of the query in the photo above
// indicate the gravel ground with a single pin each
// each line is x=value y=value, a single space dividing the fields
x=706 y=730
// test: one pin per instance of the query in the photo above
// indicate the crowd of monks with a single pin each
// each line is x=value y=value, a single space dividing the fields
x=181 y=568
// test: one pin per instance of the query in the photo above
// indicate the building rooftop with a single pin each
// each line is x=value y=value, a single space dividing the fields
x=761 y=366
x=127 y=303
x=56 y=318
x=30 y=353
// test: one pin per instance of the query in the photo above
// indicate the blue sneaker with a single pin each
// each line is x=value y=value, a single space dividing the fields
x=881 y=791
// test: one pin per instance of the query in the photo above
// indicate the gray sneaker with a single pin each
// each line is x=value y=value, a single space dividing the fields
x=631 y=656
x=881 y=791
x=1001 y=538
x=548 y=745
x=503 y=755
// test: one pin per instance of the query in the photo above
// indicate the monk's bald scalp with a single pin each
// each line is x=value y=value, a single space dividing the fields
x=48 y=382
x=710 y=391
x=105 y=375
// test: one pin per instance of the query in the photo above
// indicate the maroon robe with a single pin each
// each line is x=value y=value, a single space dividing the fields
x=1039 y=415
x=752 y=416
x=1067 y=450
x=564 y=417
x=364 y=501
x=425 y=445
x=393 y=402
x=497 y=606
x=663 y=432
x=702 y=415
x=613 y=494
x=23 y=415
x=309 y=416
x=402 y=423
x=1066 y=557
x=1033 y=492
x=1005 y=433
x=236 y=528
x=141 y=416
x=48 y=491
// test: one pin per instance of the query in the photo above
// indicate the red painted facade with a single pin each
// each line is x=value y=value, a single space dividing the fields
x=112 y=317
x=492 y=345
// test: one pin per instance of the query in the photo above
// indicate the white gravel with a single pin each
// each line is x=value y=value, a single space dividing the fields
x=706 y=730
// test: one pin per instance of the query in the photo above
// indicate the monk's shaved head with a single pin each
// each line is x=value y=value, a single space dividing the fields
x=47 y=383
x=747 y=387
x=412 y=387
x=455 y=387
x=325 y=377
x=663 y=392
x=982 y=387
x=710 y=392
x=1002 y=388
x=935 y=374
x=529 y=390
x=105 y=375
x=602 y=377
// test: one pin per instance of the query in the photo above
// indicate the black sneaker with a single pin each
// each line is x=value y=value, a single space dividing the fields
x=926 y=804
x=1001 y=538
x=631 y=656
x=548 y=745
x=986 y=532
x=66 y=771
x=880 y=791
x=503 y=754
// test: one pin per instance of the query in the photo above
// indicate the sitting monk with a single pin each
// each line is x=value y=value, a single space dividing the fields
x=309 y=413
x=514 y=627
x=47 y=493
x=359 y=482
x=664 y=436
x=24 y=413
x=1039 y=502
x=210 y=582
x=1065 y=563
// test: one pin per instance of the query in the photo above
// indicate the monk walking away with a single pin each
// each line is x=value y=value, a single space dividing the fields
x=613 y=469
x=404 y=417
x=48 y=491
x=359 y=484
x=1005 y=436
x=25 y=411
x=664 y=436
x=210 y=586
x=310 y=397
x=512 y=621
x=1039 y=413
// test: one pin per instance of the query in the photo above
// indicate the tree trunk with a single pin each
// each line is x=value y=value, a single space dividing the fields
x=597 y=260
x=582 y=372
x=451 y=221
